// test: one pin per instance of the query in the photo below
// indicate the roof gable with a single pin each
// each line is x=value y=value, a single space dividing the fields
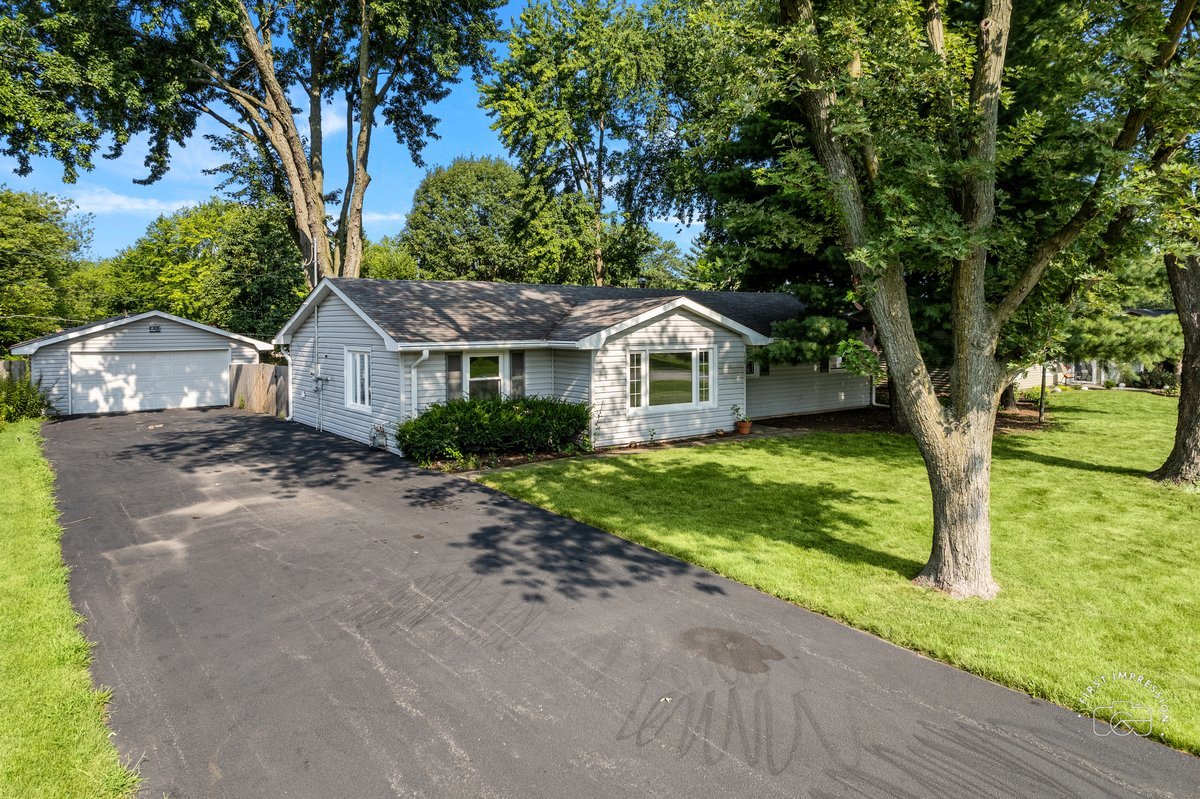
x=92 y=328
x=414 y=313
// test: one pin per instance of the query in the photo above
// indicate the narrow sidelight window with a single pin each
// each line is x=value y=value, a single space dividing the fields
x=358 y=379
x=635 y=380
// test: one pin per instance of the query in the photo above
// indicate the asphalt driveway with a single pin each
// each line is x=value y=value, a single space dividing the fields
x=284 y=613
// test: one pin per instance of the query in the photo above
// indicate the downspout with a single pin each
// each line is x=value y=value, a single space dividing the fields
x=285 y=351
x=412 y=383
x=318 y=386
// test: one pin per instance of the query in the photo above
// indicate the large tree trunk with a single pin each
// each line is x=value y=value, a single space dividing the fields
x=960 y=468
x=1008 y=398
x=1183 y=464
x=895 y=414
x=955 y=443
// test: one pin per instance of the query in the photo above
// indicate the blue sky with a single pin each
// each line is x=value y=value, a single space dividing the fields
x=122 y=209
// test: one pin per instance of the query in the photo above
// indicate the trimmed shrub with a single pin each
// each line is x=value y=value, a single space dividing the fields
x=22 y=399
x=461 y=430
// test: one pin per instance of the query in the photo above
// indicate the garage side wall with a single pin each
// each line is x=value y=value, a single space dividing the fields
x=615 y=423
x=50 y=365
x=804 y=388
x=52 y=362
x=318 y=350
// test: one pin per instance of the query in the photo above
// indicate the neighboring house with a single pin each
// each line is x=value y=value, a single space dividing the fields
x=143 y=362
x=662 y=364
x=1032 y=377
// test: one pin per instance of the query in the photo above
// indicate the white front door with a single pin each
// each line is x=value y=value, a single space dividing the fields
x=113 y=382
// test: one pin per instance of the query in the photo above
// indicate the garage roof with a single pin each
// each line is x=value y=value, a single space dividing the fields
x=35 y=344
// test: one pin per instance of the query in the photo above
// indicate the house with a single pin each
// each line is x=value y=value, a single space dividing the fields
x=662 y=364
x=148 y=361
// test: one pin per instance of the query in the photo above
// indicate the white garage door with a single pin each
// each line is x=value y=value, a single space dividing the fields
x=112 y=382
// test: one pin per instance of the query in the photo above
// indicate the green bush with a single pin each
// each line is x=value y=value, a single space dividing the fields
x=22 y=399
x=464 y=430
x=1157 y=378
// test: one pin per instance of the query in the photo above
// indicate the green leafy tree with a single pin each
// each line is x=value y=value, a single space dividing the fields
x=463 y=220
x=40 y=244
x=163 y=65
x=995 y=155
x=389 y=259
x=1104 y=329
x=73 y=74
x=221 y=263
x=573 y=102
x=478 y=219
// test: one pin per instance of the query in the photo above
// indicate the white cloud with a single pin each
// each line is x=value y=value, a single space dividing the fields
x=373 y=217
x=100 y=200
x=333 y=118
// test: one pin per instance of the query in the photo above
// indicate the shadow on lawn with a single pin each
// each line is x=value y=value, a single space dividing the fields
x=695 y=498
x=1017 y=449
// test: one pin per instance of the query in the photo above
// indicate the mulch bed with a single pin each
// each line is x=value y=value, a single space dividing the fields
x=879 y=420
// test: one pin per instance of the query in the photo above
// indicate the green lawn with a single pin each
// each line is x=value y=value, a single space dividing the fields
x=1099 y=567
x=53 y=741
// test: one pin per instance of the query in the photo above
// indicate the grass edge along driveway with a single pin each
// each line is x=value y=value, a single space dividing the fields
x=1097 y=564
x=53 y=738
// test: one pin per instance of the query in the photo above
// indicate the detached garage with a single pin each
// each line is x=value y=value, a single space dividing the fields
x=145 y=362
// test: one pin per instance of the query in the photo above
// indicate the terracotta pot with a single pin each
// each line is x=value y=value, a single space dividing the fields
x=743 y=428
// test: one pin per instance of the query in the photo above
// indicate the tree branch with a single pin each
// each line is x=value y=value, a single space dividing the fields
x=1135 y=120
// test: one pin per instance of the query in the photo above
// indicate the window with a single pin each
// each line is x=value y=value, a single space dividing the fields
x=835 y=364
x=670 y=378
x=754 y=369
x=483 y=376
x=660 y=379
x=635 y=380
x=358 y=379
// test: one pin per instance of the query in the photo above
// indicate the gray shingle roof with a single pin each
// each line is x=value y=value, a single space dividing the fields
x=444 y=312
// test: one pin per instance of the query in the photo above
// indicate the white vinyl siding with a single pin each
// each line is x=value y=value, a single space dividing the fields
x=616 y=423
x=318 y=350
x=572 y=375
x=52 y=363
x=1032 y=378
x=804 y=388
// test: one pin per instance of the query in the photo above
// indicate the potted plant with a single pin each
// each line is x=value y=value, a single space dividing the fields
x=740 y=420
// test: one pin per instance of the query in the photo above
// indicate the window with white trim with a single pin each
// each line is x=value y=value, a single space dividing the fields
x=483 y=376
x=635 y=380
x=755 y=368
x=358 y=379
x=670 y=378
